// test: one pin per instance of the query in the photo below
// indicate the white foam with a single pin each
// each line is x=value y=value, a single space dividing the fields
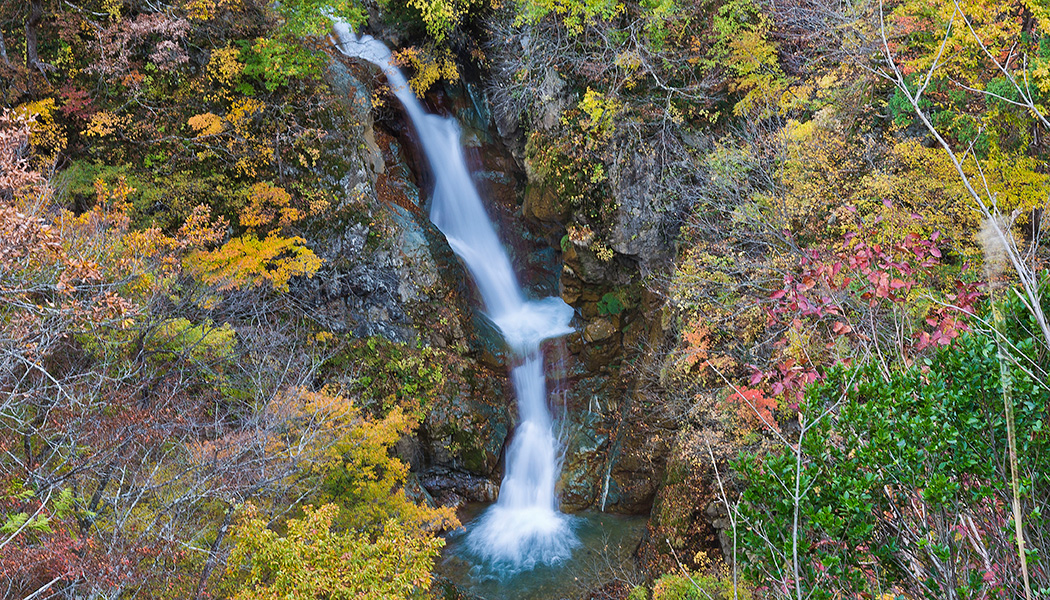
x=533 y=322
x=511 y=540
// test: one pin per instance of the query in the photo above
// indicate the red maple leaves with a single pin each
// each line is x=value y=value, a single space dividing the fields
x=863 y=298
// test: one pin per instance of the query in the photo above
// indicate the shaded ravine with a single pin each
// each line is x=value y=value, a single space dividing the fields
x=524 y=528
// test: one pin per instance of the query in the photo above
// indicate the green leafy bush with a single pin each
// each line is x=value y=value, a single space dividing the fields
x=610 y=304
x=274 y=62
x=391 y=374
x=903 y=482
x=314 y=17
x=675 y=587
x=1002 y=93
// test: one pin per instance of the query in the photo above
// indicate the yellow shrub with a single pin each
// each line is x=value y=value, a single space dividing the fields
x=269 y=205
x=429 y=65
x=249 y=261
x=46 y=136
x=206 y=124
x=104 y=123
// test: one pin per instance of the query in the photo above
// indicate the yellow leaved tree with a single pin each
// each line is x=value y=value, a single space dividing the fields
x=262 y=255
x=368 y=539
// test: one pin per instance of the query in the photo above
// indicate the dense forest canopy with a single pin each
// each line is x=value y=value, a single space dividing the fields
x=813 y=228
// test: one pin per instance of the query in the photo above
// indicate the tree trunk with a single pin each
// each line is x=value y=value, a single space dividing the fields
x=36 y=12
x=212 y=554
x=84 y=520
x=3 y=50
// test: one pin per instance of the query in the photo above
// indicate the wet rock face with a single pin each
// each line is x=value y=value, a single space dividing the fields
x=617 y=439
x=466 y=432
x=365 y=286
x=609 y=465
x=602 y=342
x=454 y=488
x=601 y=329
x=587 y=447
x=543 y=204
x=615 y=448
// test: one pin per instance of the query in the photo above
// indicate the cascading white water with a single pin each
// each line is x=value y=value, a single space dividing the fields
x=524 y=528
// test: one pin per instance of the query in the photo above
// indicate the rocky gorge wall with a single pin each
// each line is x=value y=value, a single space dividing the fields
x=389 y=273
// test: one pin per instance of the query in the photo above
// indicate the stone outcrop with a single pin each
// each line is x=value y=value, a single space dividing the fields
x=452 y=488
x=467 y=432
x=365 y=286
x=644 y=219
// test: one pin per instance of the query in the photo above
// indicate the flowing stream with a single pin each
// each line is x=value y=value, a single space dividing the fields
x=524 y=528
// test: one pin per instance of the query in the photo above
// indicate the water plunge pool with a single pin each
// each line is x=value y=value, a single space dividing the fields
x=606 y=553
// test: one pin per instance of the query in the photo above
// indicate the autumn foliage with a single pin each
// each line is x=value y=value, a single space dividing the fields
x=144 y=304
x=177 y=421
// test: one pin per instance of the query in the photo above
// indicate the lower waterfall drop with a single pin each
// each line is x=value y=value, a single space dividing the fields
x=524 y=528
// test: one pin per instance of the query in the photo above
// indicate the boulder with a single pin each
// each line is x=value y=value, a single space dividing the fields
x=599 y=330
x=586 y=427
x=553 y=95
x=452 y=488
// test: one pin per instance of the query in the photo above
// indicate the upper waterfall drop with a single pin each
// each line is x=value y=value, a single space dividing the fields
x=524 y=528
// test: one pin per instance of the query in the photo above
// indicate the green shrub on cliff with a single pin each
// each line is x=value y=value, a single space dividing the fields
x=314 y=17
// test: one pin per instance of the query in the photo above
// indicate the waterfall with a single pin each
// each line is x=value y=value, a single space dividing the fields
x=524 y=528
